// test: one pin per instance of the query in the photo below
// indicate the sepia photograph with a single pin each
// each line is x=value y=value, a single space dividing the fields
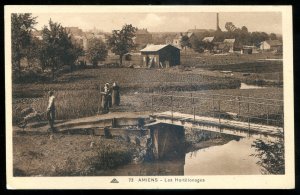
x=144 y=97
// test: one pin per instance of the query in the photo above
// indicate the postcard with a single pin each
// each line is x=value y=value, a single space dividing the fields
x=149 y=97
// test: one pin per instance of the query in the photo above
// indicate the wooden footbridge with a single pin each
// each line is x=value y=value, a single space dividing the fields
x=224 y=126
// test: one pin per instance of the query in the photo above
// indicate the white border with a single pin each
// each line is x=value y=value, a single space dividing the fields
x=286 y=181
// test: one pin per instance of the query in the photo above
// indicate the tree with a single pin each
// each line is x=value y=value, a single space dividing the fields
x=271 y=156
x=21 y=28
x=273 y=36
x=258 y=37
x=185 y=42
x=196 y=45
x=57 y=48
x=32 y=52
x=230 y=27
x=244 y=29
x=96 y=50
x=121 y=41
x=72 y=51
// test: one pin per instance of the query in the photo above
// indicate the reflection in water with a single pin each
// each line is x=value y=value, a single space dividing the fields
x=246 y=86
x=232 y=158
x=175 y=167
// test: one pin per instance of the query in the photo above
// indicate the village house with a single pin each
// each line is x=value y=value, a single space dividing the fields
x=208 y=39
x=229 y=43
x=142 y=38
x=160 y=56
x=177 y=39
x=74 y=31
x=271 y=45
x=37 y=34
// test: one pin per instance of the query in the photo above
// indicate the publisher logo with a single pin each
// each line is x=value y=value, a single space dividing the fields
x=114 y=181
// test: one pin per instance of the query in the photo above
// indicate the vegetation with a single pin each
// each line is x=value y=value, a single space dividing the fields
x=241 y=36
x=57 y=48
x=271 y=156
x=96 y=51
x=185 y=42
x=67 y=155
x=21 y=27
x=121 y=41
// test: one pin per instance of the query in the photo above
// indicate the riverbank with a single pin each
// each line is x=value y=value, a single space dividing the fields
x=67 y=155
x=81 y=155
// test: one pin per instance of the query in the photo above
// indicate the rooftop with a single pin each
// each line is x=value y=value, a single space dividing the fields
x=274 y=42
x=208 y=39
x=156 y=47
x=229 y=41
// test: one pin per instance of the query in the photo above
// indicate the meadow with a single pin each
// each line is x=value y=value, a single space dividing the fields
x=78 y=92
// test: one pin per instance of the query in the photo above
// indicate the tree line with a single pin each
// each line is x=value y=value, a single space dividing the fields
x=241 y=35
x=57 y=48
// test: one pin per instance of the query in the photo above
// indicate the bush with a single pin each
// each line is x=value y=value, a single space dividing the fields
x=271 y=156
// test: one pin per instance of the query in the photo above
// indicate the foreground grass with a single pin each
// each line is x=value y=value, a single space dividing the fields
x=67 y=155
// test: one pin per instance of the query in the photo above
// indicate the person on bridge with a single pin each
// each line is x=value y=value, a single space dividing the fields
x=51 y=110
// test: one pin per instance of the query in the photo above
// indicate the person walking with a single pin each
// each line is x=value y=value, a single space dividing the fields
x=51 y=110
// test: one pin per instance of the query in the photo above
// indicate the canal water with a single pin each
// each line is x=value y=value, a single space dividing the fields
x=246 y=86
x=232 y=158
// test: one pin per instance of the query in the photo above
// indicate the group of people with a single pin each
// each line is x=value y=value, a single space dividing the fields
x=110 y=97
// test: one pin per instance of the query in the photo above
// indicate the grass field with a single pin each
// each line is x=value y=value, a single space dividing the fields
x=78 y=92
x=78 y=95
x=67 y=155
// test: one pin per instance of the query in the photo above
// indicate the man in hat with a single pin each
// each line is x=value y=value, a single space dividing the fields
x=51 y=110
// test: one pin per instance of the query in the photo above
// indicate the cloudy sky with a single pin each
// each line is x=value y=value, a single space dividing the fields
x=165 y=22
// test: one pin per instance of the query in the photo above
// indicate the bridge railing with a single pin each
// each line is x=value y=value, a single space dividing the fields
x=254 y=111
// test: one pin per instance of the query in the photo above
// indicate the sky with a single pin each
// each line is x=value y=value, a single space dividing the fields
x=165 y=22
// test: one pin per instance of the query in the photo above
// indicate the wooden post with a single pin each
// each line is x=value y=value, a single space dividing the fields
x=248 y=107
x=282 y=120
x=192 y=101
x=220 y=121
x=172 y=107
x=213 y=105
x=194 y=112
x=152 y=103
x=268 y=115
x=99 y=104
x=239 y=107
x=248 y=125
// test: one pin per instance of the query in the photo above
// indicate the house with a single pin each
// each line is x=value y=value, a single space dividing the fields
x=230 y=43
x=200 y=31
x=208 y=39
x=37 y=34
x=74 y=31
x=177 y=39
x=142 y=38
x=272 y=45
x=246 y=50
x=160 y=56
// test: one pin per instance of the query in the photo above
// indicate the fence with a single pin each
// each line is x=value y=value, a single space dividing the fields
x=240 y=108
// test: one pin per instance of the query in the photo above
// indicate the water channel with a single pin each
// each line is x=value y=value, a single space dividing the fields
x=232 y=158
x=246 y=86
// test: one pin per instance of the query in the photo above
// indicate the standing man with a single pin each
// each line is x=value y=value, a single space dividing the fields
x=51 y=111
x=115 y=94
